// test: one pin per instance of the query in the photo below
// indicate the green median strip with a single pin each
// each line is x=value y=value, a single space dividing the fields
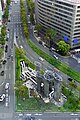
x=62 y=67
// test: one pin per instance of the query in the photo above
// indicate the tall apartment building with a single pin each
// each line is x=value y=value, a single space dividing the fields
x=61 y=15
x=1 y=13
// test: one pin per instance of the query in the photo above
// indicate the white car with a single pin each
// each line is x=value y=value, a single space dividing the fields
x=7 y=86
x=41 y=59
x=2 y=97
x=53 y=49
x=55 y=57
x=21 y=46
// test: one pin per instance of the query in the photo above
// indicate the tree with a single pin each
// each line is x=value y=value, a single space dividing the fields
x=32 y=18
x=50 y=34
x=8 y=2
x=18 y=83
x=63 y=47
x=72 y=85
x=38 y=27
x=23 y=91
x=6 y=13
x=78 y=89
x=31 y=5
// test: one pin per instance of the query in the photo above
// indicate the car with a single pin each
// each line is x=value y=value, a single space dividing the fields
x=8 y=20
x=20 y=115
x=15 y=2
x=35 y=31
x=8 y=30
x=2 y=97
x=4 y=61
x=40 y=42
x=6 y=39
x=30 y=118
x=41 y=59
x=2 y=72
x=11 y=57
x=70 y=79
x=21 y=46
x=43 y=44
x=7 y=86
x=52 y=49
x=55 y=57
x=6 y=48
x=16 y=36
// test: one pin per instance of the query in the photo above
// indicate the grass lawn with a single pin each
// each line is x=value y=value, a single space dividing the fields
x=33 y=104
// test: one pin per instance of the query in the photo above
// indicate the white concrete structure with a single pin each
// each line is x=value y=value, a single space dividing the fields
x=61 y=15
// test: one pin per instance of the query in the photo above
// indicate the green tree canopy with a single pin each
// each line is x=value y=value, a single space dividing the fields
x=50 y=33
x=20 y=89
x=78 y=89
x=72 y=85
x=23 y=91
x=38 y=27
x=32 y=18
x=63 y=47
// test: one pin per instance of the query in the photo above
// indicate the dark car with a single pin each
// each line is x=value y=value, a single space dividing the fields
x=2 y=73
x=16 y=36
x=8 y=20
x=8 y=29
x=6 y=39
x=70 y=79
x=6 y=48
x=30 y=118
x=4 y=61
x=40 y=42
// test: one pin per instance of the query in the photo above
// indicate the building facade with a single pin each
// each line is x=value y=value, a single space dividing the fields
x=1 y=13
x=61 y=15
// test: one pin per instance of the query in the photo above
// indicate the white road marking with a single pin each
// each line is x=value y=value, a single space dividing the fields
x=9 y=99
x=73 y=114
x=37 y=114
x=5 y=76
x=28 y=114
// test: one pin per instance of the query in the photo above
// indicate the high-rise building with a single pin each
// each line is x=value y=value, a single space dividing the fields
x=1 y=13
x=61 y=15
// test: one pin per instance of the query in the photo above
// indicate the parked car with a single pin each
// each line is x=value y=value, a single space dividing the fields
x=70 y=79
x=2 y=97
x=21 y=46
x=6 y=39
x=40 y=42
x=7 y=86
x=41 y=59
x=6 y=48
x=30 y=118
x=8 y=20
x=2 y=72
x=4 y=61
x=55 y=57
x=16 y=36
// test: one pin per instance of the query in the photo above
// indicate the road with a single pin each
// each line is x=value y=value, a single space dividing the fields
x=15 y=26
x=71 y=62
